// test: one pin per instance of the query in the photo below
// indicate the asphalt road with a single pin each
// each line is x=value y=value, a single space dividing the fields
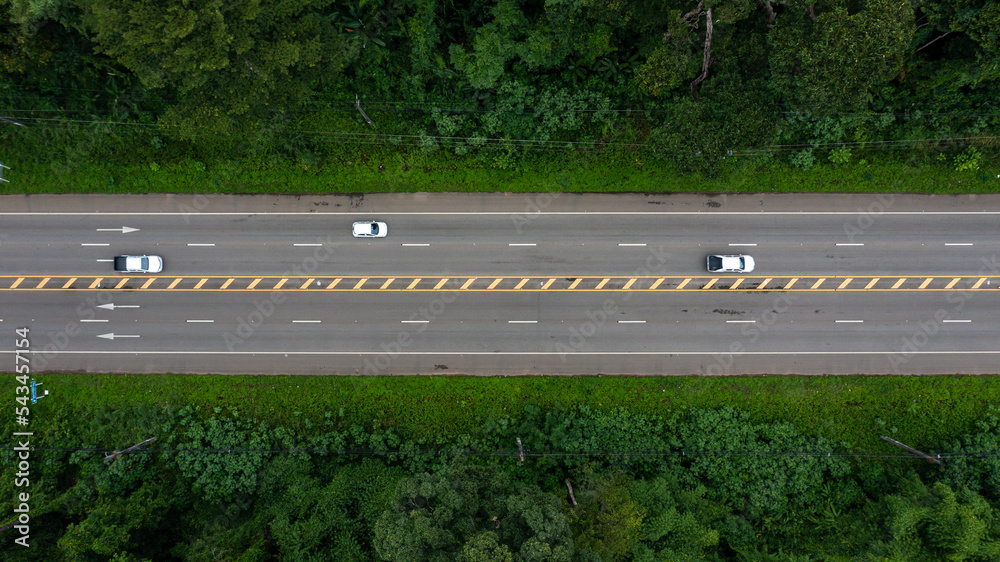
x=505 y=285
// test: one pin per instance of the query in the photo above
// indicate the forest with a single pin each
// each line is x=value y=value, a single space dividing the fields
x=494 y=84
x=583 y=485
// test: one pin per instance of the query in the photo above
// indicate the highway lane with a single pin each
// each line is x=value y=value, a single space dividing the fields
x=503 y=244
x=531 y=331
x=230 y=332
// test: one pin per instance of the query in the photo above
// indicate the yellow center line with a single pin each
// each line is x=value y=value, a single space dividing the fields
x=792 y=282
x=42 y=284
x=926 y=282
x=899 y=283
x=306 y=284
x=465 y=286
x=736 y=284
x=440 y=283
x=279 y=285
x=573 y=286
x=174 y=284
x=656 y=283
x=224 y=285
x=68 y=283
x=547 y=283
x=92 y=285
x=328 y=287
x=121 y=283
x=683 y=283
x=978 y=283
x=148 y=282
x=871 y=283
x=200 y=284
x=628 y=285
x=817 y=284
x=521 y=284
x=252 y=283
x=710 y=283
x=413 y=284
x=845 y=283
x=603 y=283
x=360 y=283
x=387 y=283
x=764 y=284
x=953 y=281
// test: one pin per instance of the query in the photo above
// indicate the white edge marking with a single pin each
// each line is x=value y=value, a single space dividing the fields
x=522 y=321
x=964 y=321
x=92 y=320
x=414 y=321
x=958 y=244
x=849 y=321
x=306 y=321
x=201 y=244
x=741 y=321
x=839 y=244
x=639 y=245
x=631 y=321
x=95 y=244
x=521 y=244
x=512 y=353
x=306 y=244
x=207 y=321
x=414 y=244
x=742 y=244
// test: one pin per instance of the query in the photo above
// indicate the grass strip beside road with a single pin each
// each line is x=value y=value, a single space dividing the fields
x=381 y=170
x=924 y=412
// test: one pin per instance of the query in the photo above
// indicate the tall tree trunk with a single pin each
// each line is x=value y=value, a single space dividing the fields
x=707 y=58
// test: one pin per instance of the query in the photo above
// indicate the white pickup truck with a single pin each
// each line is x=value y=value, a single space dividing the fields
x=139 y=264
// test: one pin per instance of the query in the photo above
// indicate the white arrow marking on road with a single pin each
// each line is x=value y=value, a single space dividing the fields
x=111 y=336
x=112 y=306
x=123 y=230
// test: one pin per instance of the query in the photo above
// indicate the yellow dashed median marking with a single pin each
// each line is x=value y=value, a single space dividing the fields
x=926 y=282
x=978 y=283
x=899 y=283
x=953 y=281
x=148 y=282
x=69 y=283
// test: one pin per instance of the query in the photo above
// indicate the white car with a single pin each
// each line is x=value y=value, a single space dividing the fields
x=370 y=229
x=139 y=264
x=730 y=264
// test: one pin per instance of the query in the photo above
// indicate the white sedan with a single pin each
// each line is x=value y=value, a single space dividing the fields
x=138 y=264
x=730 y=264
x=370 y=229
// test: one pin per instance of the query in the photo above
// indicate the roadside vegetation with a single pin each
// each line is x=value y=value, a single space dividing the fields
x=344 y=468
x=423 y=95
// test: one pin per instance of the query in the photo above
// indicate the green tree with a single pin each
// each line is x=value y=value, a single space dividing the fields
x=438 y=516
x=937 y=523
x=835 y=60
x=677 y=523
x=225 y=59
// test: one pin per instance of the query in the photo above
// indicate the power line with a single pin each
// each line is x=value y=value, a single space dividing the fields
x=527 y=452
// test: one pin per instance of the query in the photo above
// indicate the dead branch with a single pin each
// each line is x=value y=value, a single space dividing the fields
x=707 y=57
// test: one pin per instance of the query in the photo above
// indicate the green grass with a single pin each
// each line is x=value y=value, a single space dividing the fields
x=925 y=411
x=357 y=170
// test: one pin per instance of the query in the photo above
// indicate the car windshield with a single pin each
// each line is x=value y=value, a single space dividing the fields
x=374 y=228
x=743 y=264
x=145 y=263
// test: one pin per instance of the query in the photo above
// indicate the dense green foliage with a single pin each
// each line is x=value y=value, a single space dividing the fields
x=670 y=482
x=724 y=87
